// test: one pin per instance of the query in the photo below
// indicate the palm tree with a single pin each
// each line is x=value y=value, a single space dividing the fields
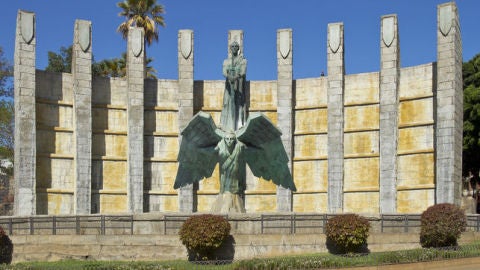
x=117 y=67
x=141 y=13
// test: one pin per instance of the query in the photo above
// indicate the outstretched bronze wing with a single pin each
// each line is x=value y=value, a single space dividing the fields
x=197 y=158
x=265 y=154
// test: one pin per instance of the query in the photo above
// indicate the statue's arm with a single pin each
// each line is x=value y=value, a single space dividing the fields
x=243 y=67
x=225 y=68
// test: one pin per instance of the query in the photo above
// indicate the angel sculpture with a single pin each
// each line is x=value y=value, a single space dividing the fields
x=257 y=144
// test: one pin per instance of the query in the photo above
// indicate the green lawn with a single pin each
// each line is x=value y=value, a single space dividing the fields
x=310 y=261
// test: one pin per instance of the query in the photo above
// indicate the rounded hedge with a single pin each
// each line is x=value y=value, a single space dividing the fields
x=6 y=248
x=347 y=233
x=441 y=225
x=203 y=234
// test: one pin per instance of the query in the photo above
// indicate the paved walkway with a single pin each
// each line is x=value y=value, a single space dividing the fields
x=454 y=264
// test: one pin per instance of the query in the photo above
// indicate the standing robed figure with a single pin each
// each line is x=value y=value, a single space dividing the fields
x=234 y=69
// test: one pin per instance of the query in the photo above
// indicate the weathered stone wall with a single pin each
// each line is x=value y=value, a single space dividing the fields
x=109 y=145
x=361 y=161
x=357 y=142
x=55 y=151
x=416 y=172
x=310 y=146
x=169 y=247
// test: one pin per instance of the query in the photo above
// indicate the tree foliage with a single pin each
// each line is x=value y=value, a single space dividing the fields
x=115 y=67
x=60 y=62
x=141 y=13
x=6 y=113
x=471 y=115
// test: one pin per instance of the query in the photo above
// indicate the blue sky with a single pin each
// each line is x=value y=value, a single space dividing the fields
x=259 y=19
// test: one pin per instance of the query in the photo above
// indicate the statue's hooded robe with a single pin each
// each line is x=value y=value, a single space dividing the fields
x=233 y=112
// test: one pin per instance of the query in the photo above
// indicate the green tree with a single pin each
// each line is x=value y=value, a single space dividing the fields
x=6 y=112
x=471 y=115
x=142 y=13
x=116 y=67
x=60 y=62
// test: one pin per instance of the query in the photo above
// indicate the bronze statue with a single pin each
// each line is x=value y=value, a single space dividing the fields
x=234 y=70
x=236 y=143
x=257 y=144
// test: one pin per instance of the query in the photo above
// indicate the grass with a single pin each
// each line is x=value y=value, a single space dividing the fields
x=310 y=261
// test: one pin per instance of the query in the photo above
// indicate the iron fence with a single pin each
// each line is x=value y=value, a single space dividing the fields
x=54 y=225
x=170 y=224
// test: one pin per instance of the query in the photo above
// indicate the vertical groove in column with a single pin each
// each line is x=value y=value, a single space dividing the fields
x=335 y=115
x=186 y=195
x=135 y=119
x=389 y=81
x=25 y=118
x=285 y=108
x=82 y=89
x=449 y=112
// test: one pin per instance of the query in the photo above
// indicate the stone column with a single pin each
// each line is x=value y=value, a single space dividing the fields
x=449 y=113
x=335 y=116
x=389 y=81
x=187 y=197
x=82 y=89
x=285 y=108
x=25 y=133
x=135 y=119
x=235 y=35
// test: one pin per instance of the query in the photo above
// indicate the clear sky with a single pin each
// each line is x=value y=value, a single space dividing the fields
x=259 y=19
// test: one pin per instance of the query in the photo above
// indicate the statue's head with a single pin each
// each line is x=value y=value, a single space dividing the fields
x=230 y=139
x=234 y=47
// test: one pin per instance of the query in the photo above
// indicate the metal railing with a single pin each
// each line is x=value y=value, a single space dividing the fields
x=171 y=224
x=295 y=223
x=88 y=224
x=405 y=222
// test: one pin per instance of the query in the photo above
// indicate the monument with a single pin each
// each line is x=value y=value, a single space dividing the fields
x=381 y=142
x=233 y=145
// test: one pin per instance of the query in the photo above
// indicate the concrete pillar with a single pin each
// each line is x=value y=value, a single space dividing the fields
x=285 y=108
x=449 y=98
x=25 y=133
x=186 y=195
x=235 y=35
x=82 y=89
x=135 y=119
x=389 y=81
x=335 y=116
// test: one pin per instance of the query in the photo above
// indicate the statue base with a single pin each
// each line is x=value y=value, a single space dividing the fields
x=228 y=203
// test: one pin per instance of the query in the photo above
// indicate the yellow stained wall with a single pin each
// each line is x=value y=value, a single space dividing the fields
x=109 y=145
x=310 y=161
x=161 y=145
x=310 y=166
x=54 y=137
x=361 y=144
x=416 y=160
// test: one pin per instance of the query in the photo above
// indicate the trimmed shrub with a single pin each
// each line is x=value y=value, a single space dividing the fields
x=6 y=248
x=203 y=234
x=347 y=233
x=441 y=225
